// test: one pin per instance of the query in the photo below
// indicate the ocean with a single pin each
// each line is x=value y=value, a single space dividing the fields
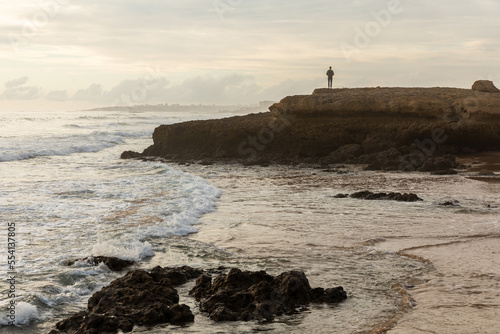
x=65 y=194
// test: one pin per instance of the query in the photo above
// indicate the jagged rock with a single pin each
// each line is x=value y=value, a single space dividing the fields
x=485 y=86
x=176 y=276
x=392 y=196
x=256 y=295
x=138 y=298
x=449 y=203
x=113 y=263
x=130 y=155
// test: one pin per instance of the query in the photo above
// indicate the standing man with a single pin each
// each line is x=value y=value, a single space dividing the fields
x=330 y=75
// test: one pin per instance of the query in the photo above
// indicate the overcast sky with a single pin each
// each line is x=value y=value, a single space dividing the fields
x=108 y=52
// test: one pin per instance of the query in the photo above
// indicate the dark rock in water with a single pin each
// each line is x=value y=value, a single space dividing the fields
x=138 y=298
x=176 y=276
x=449 y=203
x=368 y=195
x=130 y=155
x=256 y=295
x=332 y=295
x=341 y=196
x=113 y=263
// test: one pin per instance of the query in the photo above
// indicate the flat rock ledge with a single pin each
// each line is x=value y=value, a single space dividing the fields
x=142 y=298
x=410 y=129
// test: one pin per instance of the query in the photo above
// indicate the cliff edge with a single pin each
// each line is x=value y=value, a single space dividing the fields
x=385 y=128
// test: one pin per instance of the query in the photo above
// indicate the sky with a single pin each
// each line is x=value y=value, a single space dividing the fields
x=71 y=53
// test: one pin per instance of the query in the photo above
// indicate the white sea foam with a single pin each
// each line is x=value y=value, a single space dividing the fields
x=24 y=314
x=134 y=250
x=28 y=148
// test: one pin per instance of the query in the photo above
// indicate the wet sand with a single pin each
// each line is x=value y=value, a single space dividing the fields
x=481 y=162
x=292 y=220
x=463 y=294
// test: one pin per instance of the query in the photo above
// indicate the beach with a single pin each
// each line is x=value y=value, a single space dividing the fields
x=407 y=267
x=450 y=277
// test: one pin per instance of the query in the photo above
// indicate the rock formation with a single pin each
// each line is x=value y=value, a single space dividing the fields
x=150 y=298
x=386 y=128
x=392 y=196
x=485 y=86
x=256 y=295
x=138 y=298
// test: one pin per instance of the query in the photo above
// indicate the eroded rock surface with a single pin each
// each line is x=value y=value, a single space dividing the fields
x=138 y=298
x=385 y=128
x=245 y=295
x=150 y=298
x=485 y=86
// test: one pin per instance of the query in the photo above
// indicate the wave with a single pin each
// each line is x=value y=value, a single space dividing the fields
x=24 y=314
x=73 y=126
x=23 y=149
x=175 y=210
x=94 y=117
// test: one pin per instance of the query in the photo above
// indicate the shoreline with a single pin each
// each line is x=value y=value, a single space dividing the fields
x=417 y=295
x=481 y=162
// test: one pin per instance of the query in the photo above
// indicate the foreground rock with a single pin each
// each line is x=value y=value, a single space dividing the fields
x=256 y=295
x=385 y=128
x=138 y=298
x=392 y=196
x=113 y=263
x=150 y=298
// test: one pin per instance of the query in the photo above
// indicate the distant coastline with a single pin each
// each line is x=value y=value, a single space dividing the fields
x=213 y=108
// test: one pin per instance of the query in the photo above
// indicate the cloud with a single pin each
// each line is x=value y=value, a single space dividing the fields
x=16 y=82
x=211 y=89
x=221 y=89
x=243 y=51
x=150 y=89
x=93 y=93
x=15 y=90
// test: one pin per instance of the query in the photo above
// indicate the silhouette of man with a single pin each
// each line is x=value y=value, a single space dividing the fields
x=330 y=77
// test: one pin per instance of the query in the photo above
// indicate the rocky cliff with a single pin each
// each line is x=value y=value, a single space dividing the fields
x=386 y=128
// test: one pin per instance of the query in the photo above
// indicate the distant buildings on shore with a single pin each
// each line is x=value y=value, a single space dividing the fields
x=262 y=106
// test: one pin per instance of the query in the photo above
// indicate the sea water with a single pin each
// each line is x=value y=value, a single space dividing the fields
x=69 y=196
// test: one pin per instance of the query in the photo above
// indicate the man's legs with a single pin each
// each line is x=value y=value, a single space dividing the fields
x=330 y=80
